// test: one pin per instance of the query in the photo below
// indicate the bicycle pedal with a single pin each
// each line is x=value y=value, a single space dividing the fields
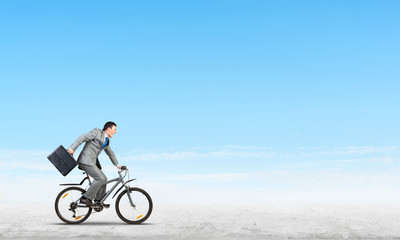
x=105 y=205
x=102 y=205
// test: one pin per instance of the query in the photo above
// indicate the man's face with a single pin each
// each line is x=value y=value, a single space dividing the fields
x=111 y=131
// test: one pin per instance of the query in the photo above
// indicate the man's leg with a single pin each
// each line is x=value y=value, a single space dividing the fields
x=102 y=191
x=98 y=186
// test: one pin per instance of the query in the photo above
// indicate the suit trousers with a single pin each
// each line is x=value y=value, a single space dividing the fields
x=97 y=189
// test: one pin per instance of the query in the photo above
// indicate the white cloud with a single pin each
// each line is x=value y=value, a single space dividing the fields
x=212 y=177
x=37 y=160
x=189 y=155
x=359 y=150
x=384 y=159
x=24 y=159
x=254 y=152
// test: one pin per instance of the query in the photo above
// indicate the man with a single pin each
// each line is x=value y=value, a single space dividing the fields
x=96 y=140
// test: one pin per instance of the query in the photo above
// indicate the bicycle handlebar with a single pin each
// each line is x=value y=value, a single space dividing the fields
x=123 y=168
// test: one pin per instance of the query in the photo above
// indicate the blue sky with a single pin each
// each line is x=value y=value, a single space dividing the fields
x=205 y=87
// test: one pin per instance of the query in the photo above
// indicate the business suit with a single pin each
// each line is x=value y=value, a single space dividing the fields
x=87 y=160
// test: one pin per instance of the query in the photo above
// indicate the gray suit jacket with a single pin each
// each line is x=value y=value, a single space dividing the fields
x=94 y=141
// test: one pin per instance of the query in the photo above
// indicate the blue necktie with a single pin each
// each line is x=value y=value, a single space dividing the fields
x=105 y=143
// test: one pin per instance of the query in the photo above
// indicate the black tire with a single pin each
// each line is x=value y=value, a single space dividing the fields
x=141 y=211
x=63 y=205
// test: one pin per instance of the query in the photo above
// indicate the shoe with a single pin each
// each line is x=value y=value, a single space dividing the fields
x=97 y=202
x=86 y=201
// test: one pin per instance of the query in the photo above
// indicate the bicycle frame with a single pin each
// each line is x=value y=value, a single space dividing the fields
x=118 y=180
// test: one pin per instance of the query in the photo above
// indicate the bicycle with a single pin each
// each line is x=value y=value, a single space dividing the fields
x=133 y=205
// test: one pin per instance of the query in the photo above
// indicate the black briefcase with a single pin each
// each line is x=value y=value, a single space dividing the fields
x=62 y=160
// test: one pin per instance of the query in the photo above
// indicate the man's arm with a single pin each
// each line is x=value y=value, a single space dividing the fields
x=111 y=154
x=82 y=138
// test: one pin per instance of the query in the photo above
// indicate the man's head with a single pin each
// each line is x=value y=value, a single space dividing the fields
x=110 y=128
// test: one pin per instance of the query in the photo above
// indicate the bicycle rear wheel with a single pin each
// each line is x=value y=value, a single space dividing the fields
x=67 y=208
x=141 y=210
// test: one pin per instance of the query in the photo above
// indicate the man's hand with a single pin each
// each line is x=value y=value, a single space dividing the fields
x=70 y=151
x=119 y=167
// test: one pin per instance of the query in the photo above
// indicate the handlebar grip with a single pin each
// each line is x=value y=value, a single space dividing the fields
x=123 y=168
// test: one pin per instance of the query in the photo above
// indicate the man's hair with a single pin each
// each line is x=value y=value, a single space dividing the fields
x=109 y=125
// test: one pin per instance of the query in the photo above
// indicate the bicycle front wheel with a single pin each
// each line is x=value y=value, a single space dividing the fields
x=141 y=209
x=68 y=208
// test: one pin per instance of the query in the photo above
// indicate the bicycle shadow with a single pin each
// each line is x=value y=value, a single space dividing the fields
x=102 y=224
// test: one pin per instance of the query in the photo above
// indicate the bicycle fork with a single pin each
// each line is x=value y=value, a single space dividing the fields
x=128 y=192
